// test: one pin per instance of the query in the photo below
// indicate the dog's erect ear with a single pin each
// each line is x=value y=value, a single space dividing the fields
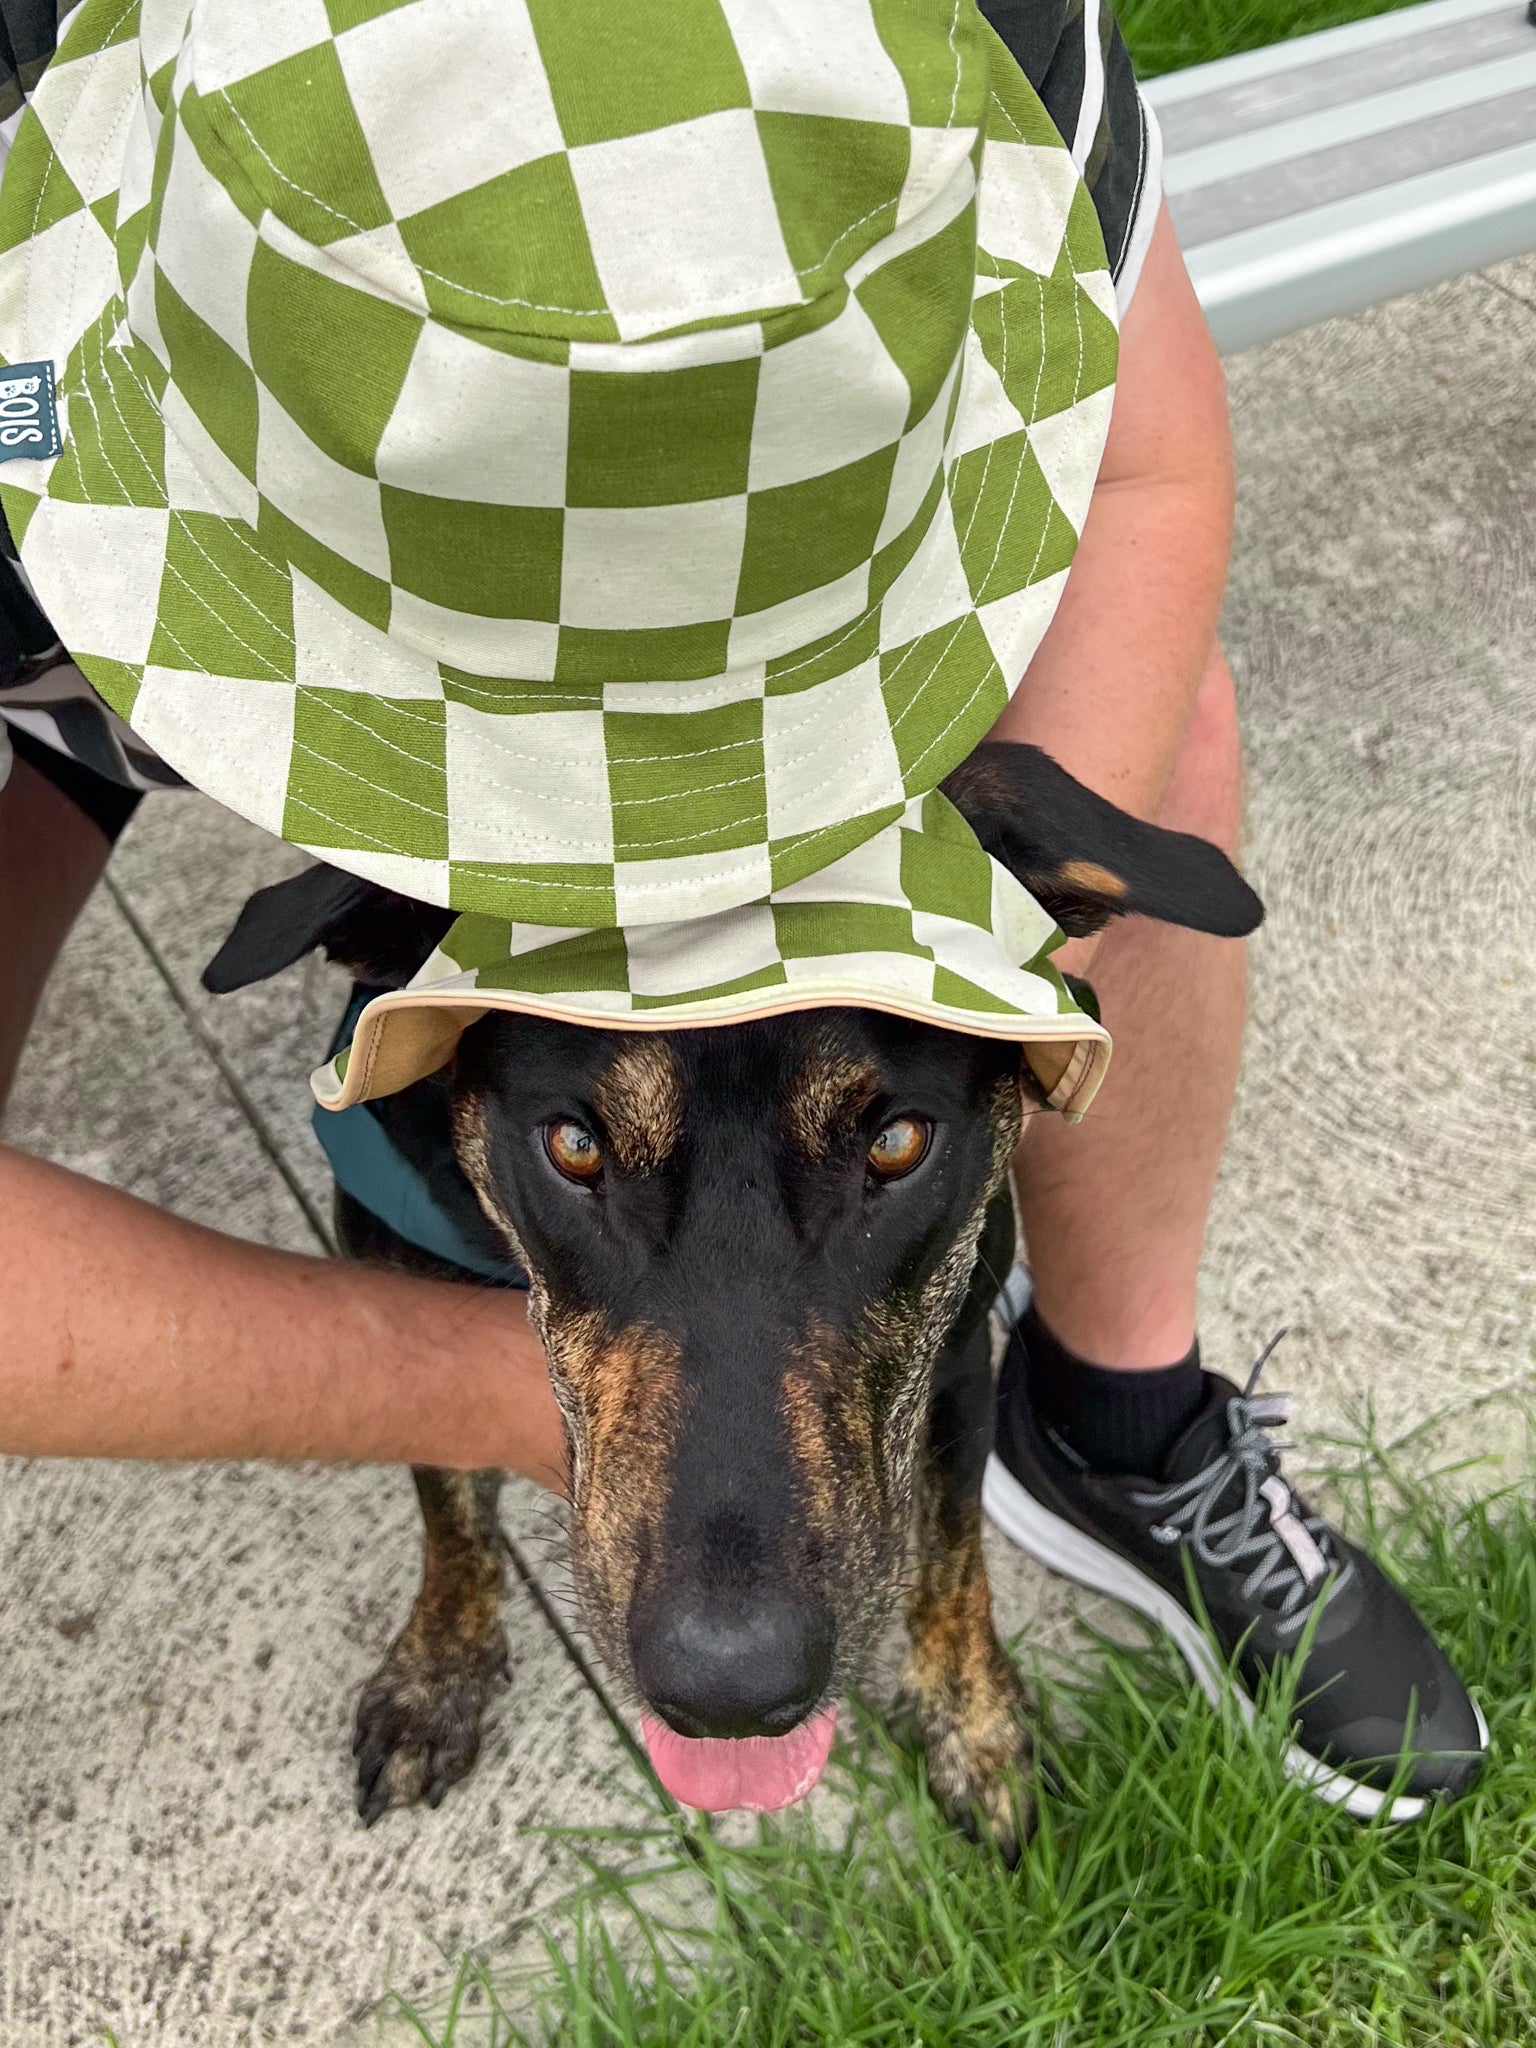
x=381 y=937
x=1084 y=860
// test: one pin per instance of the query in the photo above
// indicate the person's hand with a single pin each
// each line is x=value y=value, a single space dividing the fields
x=1076 y=956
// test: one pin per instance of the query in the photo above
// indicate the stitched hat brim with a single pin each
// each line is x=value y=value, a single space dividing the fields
x=407 y=1034
x=917 y=922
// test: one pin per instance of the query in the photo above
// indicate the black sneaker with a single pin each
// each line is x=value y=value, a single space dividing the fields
x=1374 y=1681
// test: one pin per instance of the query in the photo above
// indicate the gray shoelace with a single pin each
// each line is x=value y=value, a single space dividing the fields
x=1287 y=1550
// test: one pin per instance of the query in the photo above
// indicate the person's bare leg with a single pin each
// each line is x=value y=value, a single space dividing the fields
x=1114 y=1210
x=51 y=858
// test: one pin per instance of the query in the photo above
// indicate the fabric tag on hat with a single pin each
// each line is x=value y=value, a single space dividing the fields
x=29 y=417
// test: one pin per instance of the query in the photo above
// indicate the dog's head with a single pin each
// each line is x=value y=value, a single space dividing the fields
x=745 y=1245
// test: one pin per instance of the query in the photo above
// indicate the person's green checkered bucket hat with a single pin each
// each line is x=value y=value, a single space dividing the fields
x=593 y=467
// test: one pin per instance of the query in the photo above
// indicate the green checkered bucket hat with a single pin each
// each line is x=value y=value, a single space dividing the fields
x=595 y=467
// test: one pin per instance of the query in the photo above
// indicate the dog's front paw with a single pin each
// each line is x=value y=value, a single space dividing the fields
x=418 y=1721
x=971 y=1725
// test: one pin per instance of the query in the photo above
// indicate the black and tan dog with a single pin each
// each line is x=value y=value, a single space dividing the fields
x=761 y=1258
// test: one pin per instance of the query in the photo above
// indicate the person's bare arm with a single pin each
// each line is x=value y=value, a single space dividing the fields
x=1110 y=691
x=128 y=1333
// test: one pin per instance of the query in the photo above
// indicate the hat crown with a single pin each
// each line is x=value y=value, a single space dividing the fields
x=506 y=261
x=521 y=168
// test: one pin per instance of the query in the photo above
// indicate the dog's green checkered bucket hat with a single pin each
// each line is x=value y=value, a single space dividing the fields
x=597 y=467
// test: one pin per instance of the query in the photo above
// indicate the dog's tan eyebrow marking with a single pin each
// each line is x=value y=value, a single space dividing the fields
x=1087 y=874
x=640 y=1099
x=826 y=1099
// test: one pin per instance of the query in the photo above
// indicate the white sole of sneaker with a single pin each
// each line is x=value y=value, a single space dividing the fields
x=1064 y=1548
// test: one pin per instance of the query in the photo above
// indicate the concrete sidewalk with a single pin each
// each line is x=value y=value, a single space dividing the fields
x=179 y=1859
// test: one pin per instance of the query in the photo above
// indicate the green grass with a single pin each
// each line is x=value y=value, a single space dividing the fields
x=1166 y=35
x=1179 y=1889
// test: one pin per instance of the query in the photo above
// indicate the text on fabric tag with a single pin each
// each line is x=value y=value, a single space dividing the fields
x=29 y=418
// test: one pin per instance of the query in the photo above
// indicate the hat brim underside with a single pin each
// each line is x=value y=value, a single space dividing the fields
x=410 y=1033
x=403 y=1036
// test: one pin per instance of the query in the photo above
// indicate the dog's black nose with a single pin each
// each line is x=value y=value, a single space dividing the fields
x=732 y=1665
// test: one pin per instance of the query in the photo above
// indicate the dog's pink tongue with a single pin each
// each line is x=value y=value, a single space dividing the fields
x=760 y=1772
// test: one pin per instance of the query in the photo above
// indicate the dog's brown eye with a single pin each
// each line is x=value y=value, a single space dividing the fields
x=573 y=1149
x=899 y=1147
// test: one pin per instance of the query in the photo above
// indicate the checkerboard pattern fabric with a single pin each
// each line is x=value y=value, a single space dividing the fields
x=588 y=466
x=917 y=920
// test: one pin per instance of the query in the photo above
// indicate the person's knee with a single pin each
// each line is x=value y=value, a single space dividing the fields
x=1205 y=793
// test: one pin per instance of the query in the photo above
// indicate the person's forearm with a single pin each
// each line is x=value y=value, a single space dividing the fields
x=129 y=1333
x=1111 y=688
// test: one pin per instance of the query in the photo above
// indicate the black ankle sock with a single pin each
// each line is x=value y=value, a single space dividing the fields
x=1114 y=1421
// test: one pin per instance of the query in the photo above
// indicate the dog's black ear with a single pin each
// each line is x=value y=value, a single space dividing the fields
x=381 y=937
x=1084 y=860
